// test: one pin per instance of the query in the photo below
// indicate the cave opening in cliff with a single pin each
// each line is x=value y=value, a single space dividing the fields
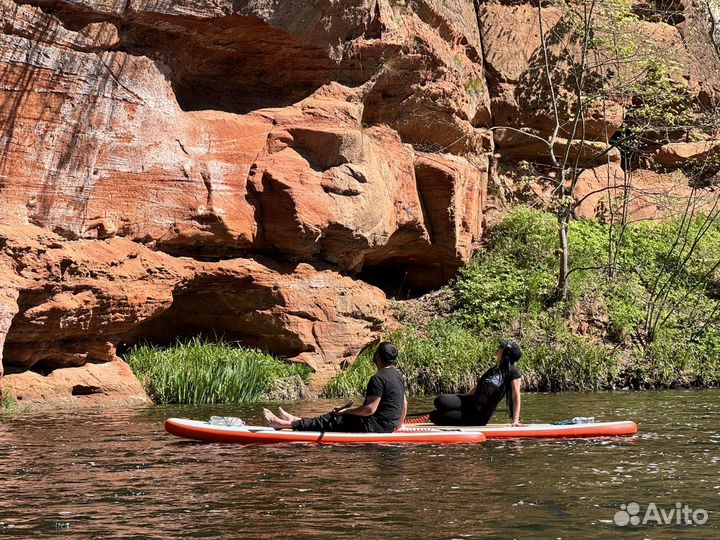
x=27 y=347
x=206 y=92
x=218 y=309
x=405 y=280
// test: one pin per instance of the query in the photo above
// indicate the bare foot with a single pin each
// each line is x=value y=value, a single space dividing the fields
x=287 y=416
x=275 y=422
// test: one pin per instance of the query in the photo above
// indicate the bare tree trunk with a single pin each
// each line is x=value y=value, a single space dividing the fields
x=714 y=20
x=564 y=191
x=563 y=268
x=616 y=238
x=561 y=289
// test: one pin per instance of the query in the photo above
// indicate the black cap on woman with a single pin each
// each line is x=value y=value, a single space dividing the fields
x=511 y=352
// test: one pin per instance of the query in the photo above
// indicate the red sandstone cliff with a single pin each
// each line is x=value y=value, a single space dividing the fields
x=258 y=169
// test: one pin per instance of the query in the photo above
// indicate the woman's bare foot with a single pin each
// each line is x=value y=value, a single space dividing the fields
x=275 y=422
x=287 y=416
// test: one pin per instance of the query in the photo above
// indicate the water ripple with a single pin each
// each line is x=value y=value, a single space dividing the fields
x=103 y=474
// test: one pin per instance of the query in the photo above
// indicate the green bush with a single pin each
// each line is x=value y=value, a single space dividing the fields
x=352 y=380
x=197 y=372
x=555 y=359
x=625 y=306
x=514 y=275
x=448 y=359
x=505 y=288
x=674 y=360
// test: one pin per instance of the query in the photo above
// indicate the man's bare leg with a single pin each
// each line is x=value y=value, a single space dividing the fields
x=275 y=422
x=287 y=416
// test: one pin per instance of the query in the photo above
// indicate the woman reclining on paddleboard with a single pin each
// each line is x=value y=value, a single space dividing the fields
x=477 y=407
x=383 y=411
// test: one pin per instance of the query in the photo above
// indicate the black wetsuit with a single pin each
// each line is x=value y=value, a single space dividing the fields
x=475 y=409
x=386 y=383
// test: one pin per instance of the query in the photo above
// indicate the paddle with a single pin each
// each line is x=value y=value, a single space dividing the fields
x=346 y=406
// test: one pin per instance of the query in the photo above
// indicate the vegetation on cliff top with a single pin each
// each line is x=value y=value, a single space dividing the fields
x=599 y=56
x=197 y=372
x=614 y=331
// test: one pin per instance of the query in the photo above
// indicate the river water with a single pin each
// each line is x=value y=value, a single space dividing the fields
x=110 y=474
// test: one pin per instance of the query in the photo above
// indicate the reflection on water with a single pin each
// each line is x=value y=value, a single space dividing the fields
x=117 y=474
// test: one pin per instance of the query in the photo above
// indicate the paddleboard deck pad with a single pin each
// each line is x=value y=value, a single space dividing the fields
x=590 y=429
x=204 y=431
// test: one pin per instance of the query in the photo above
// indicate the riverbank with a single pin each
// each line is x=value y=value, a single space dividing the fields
x=596 y=340
x=193 y=372
x=447 y=358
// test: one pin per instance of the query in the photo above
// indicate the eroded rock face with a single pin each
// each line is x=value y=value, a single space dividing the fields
x=8 y=309
x=307 y=181
x=77 y=302
x=673 y=34
x=515 y=62
x=107 y=384
x=139 y=133
x=452 y=194
x=246 y=168
x=651 y=195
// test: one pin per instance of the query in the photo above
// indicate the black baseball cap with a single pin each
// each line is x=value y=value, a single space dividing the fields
x=511 y=350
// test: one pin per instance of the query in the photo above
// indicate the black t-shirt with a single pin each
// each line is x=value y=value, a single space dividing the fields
x=491 y=388
x=390 y=386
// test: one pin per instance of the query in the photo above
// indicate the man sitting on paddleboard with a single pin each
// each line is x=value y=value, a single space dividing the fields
x=477 y=407
x=383 y=411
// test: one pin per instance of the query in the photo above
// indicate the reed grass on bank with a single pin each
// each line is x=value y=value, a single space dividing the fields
x=197 y=373
x=448 y=358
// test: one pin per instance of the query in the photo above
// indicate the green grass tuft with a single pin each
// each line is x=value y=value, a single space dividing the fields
x=8 y=404
x=197 y=372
